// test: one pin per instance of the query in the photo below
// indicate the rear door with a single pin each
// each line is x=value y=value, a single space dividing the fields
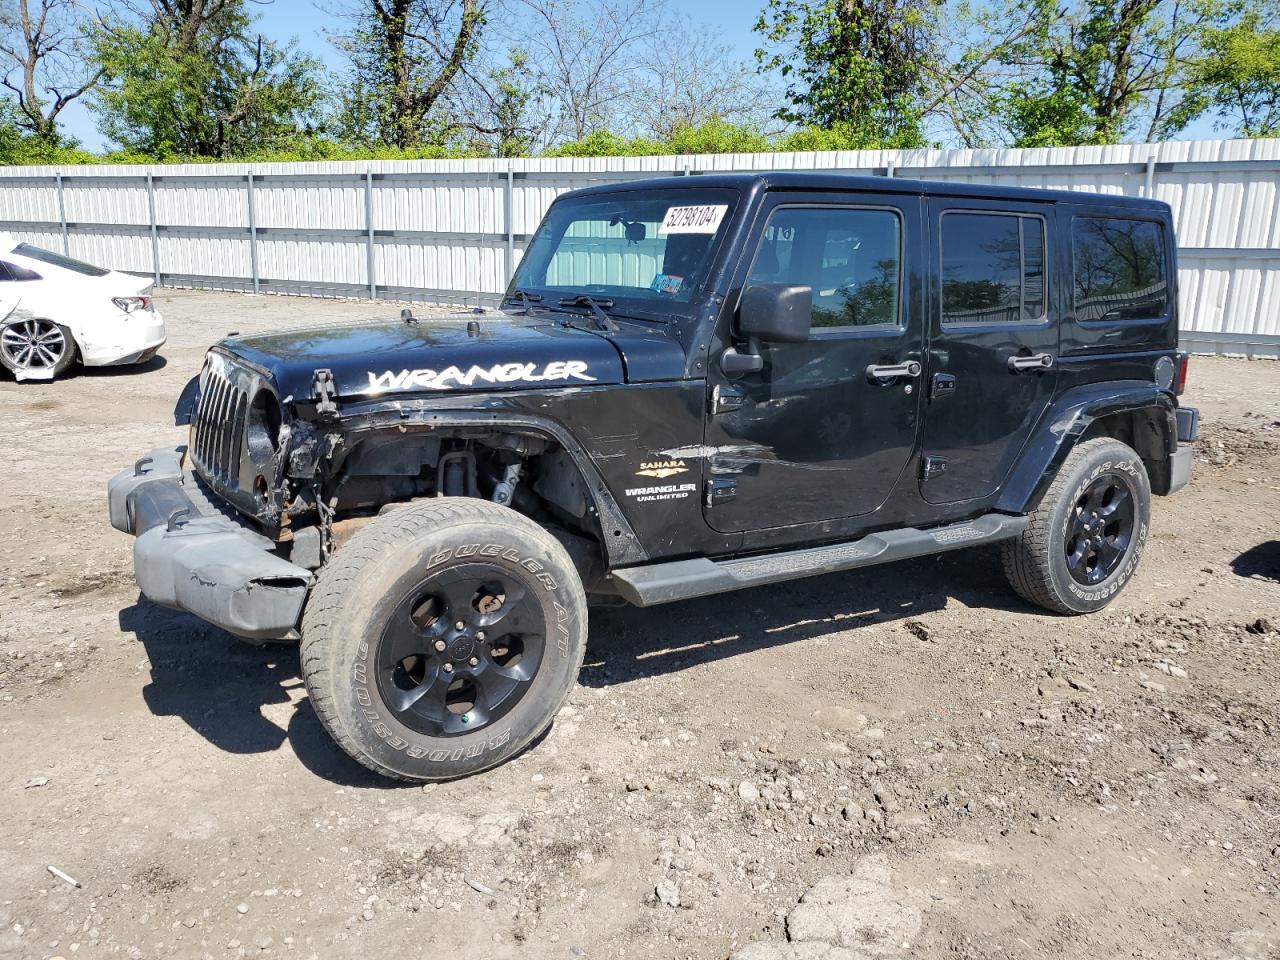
x=995 y=303
x=813 y=436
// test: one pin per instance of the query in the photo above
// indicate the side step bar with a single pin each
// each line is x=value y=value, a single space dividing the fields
x=685 y=579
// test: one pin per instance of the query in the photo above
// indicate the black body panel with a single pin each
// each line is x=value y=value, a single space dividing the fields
x=395 y=356
x=975 y=429
x=684 y=460
x=811 y=437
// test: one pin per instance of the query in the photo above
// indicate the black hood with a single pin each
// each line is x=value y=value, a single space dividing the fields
x=441 y=355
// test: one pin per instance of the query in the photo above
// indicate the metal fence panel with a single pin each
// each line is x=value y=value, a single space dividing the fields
x=201 y=202
x=455 y=229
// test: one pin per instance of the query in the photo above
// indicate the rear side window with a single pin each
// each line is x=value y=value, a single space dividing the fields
x=58 y=260
x=850 y=257
x=11 y=271
x=1120 y=270
x=992 y=268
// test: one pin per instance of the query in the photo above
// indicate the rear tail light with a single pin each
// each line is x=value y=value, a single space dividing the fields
x=1180 y=378
x=132 y=304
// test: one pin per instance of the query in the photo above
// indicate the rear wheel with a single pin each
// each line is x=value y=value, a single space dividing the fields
x=36 y=349
x=1085 y=537
x=443 y=638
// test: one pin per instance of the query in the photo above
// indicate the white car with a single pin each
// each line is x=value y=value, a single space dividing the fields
x=54 y=309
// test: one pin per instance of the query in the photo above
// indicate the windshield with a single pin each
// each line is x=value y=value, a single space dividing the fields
x=643 y=249
x=58 y=260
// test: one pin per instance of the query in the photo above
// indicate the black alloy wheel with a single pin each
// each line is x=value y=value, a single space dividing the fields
x=1085 y=535
x=1100 y=530
x=460 y=650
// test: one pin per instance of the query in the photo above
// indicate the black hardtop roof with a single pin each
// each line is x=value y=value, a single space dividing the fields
x=836 y=182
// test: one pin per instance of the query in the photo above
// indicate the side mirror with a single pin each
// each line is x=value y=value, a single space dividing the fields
x=775 y=312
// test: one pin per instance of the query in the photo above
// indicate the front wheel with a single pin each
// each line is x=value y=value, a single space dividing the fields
x=1086 y=535
x=443 y=638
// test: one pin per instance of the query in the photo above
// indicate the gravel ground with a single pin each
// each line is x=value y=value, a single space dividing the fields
x=904 y=761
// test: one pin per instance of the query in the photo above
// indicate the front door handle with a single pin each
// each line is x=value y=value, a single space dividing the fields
x=890 y=371
x=1037 y=361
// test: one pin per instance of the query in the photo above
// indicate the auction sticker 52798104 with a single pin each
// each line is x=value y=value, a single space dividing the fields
x=703 y=218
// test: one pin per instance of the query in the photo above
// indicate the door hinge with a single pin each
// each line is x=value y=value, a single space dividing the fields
x=726 y=397
x=721 y=489
x=933 y=467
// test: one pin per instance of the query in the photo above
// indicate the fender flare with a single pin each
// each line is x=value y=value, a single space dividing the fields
x=1067 y=420
x=184 y=411
x=621 y=545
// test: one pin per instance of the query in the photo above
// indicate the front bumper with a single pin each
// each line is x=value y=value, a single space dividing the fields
x=192 y=554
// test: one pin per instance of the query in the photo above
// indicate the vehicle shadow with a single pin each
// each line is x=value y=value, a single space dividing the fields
x=1261 y=562
x=628 y=643
x=227 y=690
x=79 y=370
x=158 y=362
x=219 y=686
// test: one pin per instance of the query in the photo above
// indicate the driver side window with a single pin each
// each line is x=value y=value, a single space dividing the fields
x=850 y=257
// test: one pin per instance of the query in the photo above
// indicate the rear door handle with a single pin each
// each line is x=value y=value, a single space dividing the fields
x=1037 y=361
x=889 y=371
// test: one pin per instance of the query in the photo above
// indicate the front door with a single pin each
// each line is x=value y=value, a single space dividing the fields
x=993 y=344
x=826 y=429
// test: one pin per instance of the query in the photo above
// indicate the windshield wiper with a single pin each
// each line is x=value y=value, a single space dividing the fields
x=527 y=299
x=598 y=308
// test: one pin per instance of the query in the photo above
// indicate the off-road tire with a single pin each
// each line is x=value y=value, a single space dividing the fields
x=1035 y=562
x=370 y=578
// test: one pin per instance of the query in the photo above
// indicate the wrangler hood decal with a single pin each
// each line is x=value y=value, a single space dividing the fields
x=434 y=355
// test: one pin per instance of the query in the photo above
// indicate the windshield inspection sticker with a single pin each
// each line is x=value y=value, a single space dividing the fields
x=452 y=377
x=701 y=219
x=667 y=283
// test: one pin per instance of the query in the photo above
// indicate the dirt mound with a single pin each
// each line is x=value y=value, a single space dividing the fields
x=1252 y=441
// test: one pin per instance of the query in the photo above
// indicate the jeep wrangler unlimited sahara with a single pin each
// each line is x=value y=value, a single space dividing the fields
x=694 y=385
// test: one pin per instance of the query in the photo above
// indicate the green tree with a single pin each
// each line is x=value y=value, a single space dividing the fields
x=1235 y=75
x=497 y=108
x=860 y=64
x=1100 y=71
x=18 y=145
x=405 y=56
x=863 y=74
x=714 y=136
x=191 y=78
x=43 y=62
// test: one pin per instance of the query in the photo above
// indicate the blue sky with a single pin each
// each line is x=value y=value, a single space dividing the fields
x=303 y=19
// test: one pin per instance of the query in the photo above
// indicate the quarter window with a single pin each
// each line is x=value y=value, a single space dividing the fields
x=1119 y=270
x=59 y=260
x=992 y=268
x=11 y=271
x=851 y=258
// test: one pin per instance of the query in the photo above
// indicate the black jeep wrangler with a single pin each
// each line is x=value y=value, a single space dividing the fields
x=694 y=385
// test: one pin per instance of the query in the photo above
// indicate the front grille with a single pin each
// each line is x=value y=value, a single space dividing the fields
x=217 y=437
